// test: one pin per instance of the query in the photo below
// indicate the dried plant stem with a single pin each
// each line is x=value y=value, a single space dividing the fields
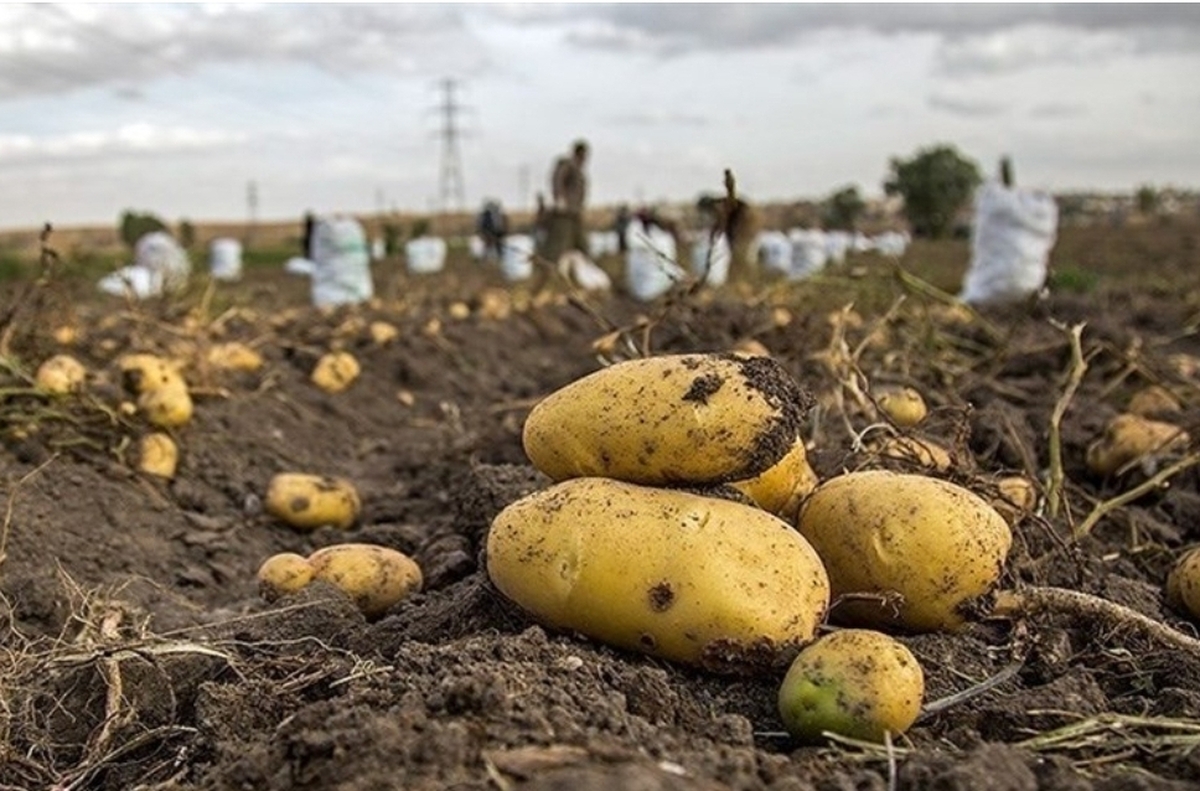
x=1084 y=606
x=1054 y=488
x=1103 y=509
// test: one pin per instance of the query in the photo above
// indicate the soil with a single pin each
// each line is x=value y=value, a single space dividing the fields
x=137 y=652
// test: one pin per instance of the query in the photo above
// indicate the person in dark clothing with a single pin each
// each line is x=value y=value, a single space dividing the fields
x=310 y=224
x=621 y=225
x=492 y=227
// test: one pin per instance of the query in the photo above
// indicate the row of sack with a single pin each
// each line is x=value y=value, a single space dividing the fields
x=161 y=264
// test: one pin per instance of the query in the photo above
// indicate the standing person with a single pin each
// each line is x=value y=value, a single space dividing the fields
x=568 y=191
x=621 y=225
x=310 y=223
x=492 y=227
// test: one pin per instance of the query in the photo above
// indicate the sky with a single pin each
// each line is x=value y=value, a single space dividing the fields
x=178 y=109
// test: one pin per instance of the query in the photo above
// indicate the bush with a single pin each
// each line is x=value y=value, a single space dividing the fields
x=135 y=225
x=935 y=184
x=843 y=209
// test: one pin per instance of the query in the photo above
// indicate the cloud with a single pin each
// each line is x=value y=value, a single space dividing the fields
x=138 y=138
x=966 y=107
x=1055 y=110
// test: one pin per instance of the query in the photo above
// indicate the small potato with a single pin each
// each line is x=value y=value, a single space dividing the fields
x=1152 y=400
x=1016 y=497
x=934 y=545
x=459 y=311
x=694 y=579
x=282 y=574
x=234 y=356
x=920 y=452
x=856 y=683
x=678 y=419
x=1128 y=438
x=310 y=501
x=65 y=335
x=336 y=371
x=382 y=333
x=904 y=406
x=1183 y=584
x=375 y=577
x=495 y=304
x=751 y=347
x=61 y=374
x=782 y=488
x=143 y=373
x=167 y=407
x=158 y=455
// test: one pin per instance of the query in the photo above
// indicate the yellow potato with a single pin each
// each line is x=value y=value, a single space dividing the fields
x=336 y=371
x=1128 y=438
x=752 y=347
x=61 y=374
x=1016 y=497
x=143 y=373
x=678 y=575
x=311 y=501
x=856 y=683
x=782 y=488
x=1183 y=584
x=284 y=573
x=459 y=310
x=1153 y=399
x=158 y=455
x=65 y=335
x=678 y=419
x=168 y=406
x=495 y=304
x=234 y=356
x=904 y=406
x=375 y=577
x=924 y=545
x=383 y=333
x=911 y=450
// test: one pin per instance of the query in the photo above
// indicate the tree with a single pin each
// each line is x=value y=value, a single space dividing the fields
x=187 y=233
x=843 y=209
x=135 y=225
x=1148 y=200
x=935 y=183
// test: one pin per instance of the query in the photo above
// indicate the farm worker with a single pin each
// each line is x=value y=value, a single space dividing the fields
x=568 y=191
x=310 y=224
x=740 y=222
x=492 y=227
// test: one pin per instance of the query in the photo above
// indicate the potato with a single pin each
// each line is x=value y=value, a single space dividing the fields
x=856 y=683
x=375 y=577
x=751 y=347
x=65 y=335
x=1183 y=584
x=936 y=545
x=311 y=501
x=1152 y=400
x=674 y=574
x=234 y=356
x=459 y=311
x=284 y=573
x=61 y=374
x=1128 y=438
x=782 y=488
x=495 y=304
x=158 y=455
x=336 y=371
x=169 y=406
x=677 y=419
x=383 y=333
x=1016 y=496
x=904 y=406
x=920 y=452
x=143 y=373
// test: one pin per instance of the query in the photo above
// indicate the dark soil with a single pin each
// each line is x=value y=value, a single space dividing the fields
x=138 y=654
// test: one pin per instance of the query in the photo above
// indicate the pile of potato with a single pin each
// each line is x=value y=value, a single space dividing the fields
x=686 y=523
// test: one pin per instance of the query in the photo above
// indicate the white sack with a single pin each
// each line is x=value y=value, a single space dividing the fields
x=299 y=265
x=133 y=281
x=583 y=272
x=1010 y=244
x=775 y=251
x=650 y=268
x=225 y=259
x=476 y=246
x=892 y=243
x=715 y=262
x=342 y=271
x=378 y=249
x=837 y=244
x=160 y=253
x=425 y=255
x=604 y=243
x=516 y=263
x=809 y=253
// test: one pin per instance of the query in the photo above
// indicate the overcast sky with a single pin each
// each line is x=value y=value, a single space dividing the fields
x=176 y=108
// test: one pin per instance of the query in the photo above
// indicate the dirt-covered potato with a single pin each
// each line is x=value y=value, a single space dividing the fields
x=282 y=574
x=913 y=450
x=169 y=406
x=782 y=488
x=677 y=419
x=856 y=683
x=158 y=455
x=61 y=374
x=375 y=577
x=1183 y=584
x=903 y=405
x=143 y=373
x=674 y=574
x=336 y=371
x=751 y=347
x=383 y=333
x=1128 y=438
x=1153 y=400
x=906 y=550
x=234 y=356
x=310 y=501
x=1015 y=497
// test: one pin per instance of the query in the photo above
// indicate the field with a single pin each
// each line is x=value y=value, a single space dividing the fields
x=137 y=653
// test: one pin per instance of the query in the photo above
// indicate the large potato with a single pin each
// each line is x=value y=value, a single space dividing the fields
x=1129 y=438
x=168 y=406
x=311 y=501
x=143 y=373
x=782 y=488
x=930 y=544
x=855 y=683
x=678 y=419
x=1183 y=584
x=679 y=575
x=375 y=577
x=61 y=374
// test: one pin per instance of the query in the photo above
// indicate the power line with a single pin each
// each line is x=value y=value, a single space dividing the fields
x=450 y=182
